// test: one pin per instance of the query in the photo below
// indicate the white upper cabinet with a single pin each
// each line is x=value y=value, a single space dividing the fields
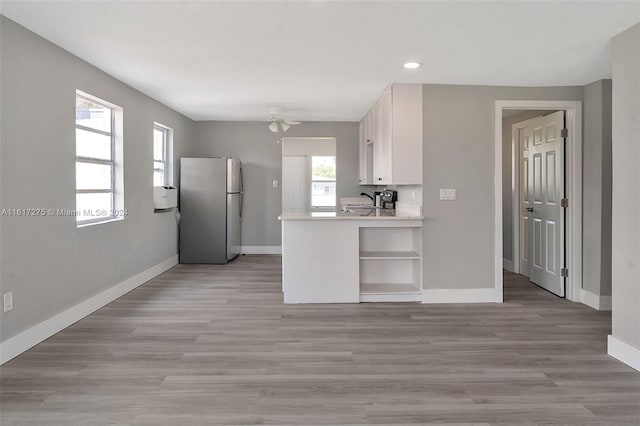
x=366 y=150
x=393 y=128
x=382 y=147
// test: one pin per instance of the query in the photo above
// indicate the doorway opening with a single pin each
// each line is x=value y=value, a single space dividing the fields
x=308 y=174
x=536 y=215
x=538 y=193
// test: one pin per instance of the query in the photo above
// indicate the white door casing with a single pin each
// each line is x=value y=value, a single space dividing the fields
x=541 y=217
x=295 y=183
x=573 y=173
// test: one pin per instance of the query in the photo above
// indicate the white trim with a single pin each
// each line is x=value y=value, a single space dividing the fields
x=623 y=352
x=18 y=344
x=574 y=188
x=507 y=265
x=600 y=303
x=261 y=249
x=458 y=295
x=397 y=297
x=515 y=199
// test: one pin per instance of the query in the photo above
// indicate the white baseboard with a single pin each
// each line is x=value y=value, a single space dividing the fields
x=600 y=303
x=471 y=295
x=507 y=265
x=19 y=343
x=623 y=352
x=408 y=297
x=261 y=249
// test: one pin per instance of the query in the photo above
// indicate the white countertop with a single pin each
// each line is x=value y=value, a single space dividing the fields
x=377 y=214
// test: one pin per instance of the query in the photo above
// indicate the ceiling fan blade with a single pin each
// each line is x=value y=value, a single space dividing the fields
x=292 y=123
x=273 y=126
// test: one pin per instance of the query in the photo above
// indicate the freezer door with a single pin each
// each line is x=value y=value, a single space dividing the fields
x=234 y=182
x=203 y=224
x=233 y=225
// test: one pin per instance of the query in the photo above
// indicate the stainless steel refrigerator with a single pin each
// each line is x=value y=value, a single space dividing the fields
x=210 y=209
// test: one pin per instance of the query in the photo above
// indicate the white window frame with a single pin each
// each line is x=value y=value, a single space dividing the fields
x=116 y=163
x=167 y=154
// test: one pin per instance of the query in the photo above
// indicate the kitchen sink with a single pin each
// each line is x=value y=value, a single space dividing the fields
x=364 y=210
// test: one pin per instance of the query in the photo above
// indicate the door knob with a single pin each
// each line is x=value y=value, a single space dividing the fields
x=529 y=209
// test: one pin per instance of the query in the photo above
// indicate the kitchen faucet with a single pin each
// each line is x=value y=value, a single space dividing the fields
x=367 y=195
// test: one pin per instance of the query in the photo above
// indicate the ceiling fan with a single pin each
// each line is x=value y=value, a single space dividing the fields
x=277 y=122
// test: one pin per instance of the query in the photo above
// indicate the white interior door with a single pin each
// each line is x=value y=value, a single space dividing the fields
x=295 y=183
x=541 y=191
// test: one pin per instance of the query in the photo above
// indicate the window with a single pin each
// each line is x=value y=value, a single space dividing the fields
x=162 y=144
x=323 y=181
x=99 y=191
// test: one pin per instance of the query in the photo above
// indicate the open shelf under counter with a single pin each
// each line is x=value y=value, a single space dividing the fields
x=388 y=255
x=390 y=264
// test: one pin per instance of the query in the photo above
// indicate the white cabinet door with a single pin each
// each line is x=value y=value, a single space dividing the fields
x=406 y=161
x=369 y=148
x=365 y=175
x=362 y=144
x=382 y=158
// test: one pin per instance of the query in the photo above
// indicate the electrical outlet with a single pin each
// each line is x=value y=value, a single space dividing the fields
x=275 y=183
x=413 y=195
x=8 y=301
x=447 y=194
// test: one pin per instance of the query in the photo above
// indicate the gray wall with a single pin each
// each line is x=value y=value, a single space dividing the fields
x=507 y=198
x=596 y=196
x=626 y=181
x=458 y=152
x=47 y=262
x=261 y=155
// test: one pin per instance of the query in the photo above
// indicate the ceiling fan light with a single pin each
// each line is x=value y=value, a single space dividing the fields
x=284 y=126
x=273 y=126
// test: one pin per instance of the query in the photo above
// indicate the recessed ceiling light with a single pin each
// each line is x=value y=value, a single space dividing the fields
x=412 y=65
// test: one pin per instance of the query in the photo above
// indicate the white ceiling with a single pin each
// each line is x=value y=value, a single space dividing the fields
x=326 y=60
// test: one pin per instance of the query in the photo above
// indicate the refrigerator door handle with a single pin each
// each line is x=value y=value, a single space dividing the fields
x=241 y=193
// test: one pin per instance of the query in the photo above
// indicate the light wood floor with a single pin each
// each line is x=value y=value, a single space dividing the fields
x=203 y=345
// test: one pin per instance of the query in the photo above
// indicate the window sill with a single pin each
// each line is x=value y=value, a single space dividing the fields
x=87 y=224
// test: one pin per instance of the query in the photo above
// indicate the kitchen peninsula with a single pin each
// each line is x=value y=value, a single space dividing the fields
x=366 y=254
x=350 y=257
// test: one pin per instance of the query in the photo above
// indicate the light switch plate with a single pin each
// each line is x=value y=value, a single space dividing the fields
x=8 y=301
x=447 y=194
x=275 y=183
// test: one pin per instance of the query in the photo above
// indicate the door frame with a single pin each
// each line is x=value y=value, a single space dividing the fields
x=573 y=182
